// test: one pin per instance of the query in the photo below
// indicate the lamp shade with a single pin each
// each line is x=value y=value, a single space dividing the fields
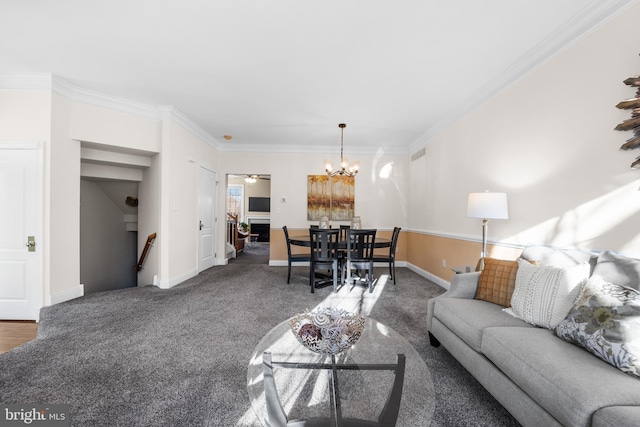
x=487 y=205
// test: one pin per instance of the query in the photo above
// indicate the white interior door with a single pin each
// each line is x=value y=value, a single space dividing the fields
x=21 y=288
x=206 y=224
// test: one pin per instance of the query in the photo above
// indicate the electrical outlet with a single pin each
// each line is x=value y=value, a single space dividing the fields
x=444 y=263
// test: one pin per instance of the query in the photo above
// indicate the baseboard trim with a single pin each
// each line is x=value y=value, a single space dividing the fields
x=67 y=295
x=430 y=276
x=424 y=273
x=166 y=284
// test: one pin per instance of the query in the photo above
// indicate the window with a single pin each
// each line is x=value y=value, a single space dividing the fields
x=235 y=200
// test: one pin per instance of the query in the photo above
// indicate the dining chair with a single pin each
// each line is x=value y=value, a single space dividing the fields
x=291 y=258
x=343 y=232
x=360 y=245
x=324 y=255
x=342 y=250
x=391 y=257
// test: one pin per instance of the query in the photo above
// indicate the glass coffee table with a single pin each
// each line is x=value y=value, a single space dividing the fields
x=306 y=382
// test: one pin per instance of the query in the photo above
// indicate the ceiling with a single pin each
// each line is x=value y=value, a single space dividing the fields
x=280 y=75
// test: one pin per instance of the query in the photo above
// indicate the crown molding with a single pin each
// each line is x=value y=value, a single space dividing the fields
x=54 y=83
x=592 y=16
x=329 y=150
x=99 y=99
x=167 y=112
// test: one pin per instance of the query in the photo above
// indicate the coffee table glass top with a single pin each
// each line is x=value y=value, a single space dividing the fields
x=305 y=393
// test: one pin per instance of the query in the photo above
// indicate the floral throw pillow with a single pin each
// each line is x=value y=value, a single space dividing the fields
x=606 y=321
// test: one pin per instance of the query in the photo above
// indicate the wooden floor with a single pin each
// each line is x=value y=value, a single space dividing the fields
x=15 y=333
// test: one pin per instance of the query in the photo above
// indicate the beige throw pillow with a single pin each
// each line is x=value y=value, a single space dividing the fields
x=544 y=295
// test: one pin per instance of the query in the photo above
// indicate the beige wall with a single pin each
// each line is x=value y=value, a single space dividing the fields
x=548 y=142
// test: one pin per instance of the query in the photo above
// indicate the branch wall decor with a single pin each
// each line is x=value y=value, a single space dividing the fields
x=633 y=123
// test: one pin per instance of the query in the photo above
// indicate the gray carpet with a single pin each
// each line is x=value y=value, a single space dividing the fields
x=253 y=253
x=178 y=357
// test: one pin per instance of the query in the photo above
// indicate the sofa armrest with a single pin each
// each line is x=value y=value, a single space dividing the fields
x=462 y=286
x=616 y=416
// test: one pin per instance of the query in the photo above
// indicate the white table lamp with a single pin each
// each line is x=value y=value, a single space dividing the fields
x=487 y=206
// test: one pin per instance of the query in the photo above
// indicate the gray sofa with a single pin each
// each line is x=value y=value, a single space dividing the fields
x=539 y=378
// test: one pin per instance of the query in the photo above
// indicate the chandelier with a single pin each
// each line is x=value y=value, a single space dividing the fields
x=345 y=168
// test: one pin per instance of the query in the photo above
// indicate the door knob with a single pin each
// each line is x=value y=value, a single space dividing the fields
x=31 y=243
x=201 y=225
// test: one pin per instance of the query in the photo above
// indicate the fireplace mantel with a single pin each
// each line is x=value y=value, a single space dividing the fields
x=258 y=220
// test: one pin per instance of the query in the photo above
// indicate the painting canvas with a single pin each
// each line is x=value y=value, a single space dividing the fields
x=330 y=196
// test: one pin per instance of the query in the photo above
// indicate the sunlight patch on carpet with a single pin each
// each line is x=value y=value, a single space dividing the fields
x=356 y=299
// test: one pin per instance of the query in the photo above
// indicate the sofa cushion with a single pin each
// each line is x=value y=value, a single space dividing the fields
x=544 y=295
x=618 y=269
x=467 y=318
x=497 y=281
x=606 y=321
x=569 y=382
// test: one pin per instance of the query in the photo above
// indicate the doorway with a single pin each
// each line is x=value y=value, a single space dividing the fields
x=108 y=234
x=249 y=199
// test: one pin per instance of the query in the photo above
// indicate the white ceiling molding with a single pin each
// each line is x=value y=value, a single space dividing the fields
x=329 y=150
x=167 y=112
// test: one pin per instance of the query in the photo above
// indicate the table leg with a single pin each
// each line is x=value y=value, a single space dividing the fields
x=336 y=409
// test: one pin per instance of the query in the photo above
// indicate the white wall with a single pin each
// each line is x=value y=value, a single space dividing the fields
x=64 y=186
x=184 y=153
x=107 y=126
x=149 y=194
x=548 y=141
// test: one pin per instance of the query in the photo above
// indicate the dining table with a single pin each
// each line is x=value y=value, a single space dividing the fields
x=305 y=240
